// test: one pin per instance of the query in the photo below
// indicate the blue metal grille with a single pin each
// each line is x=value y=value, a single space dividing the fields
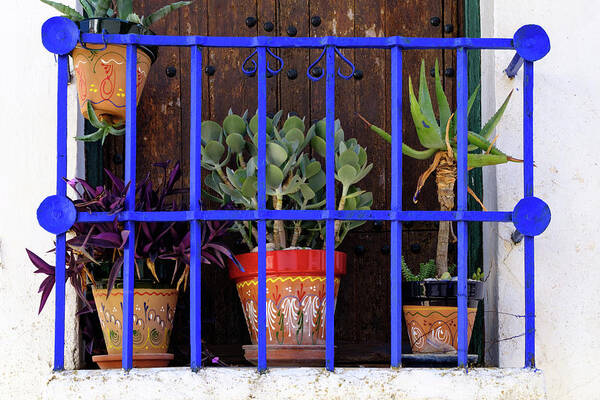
x=531 y=215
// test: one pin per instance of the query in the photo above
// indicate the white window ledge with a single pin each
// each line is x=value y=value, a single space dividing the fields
x=298 y=383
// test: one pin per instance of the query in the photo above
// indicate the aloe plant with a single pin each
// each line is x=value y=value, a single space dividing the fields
x=294 y=179
x=122 y=9
x=438 y=137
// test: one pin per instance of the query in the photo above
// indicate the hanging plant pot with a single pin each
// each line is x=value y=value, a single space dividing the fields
x=295 y=304
x=431 y=314
x=153 y=316
x=100 y=70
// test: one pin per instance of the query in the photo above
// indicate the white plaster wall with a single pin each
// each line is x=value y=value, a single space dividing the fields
x=566 y=142
x=27 y=175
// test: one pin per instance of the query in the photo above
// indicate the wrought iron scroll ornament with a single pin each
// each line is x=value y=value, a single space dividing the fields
x=249 y=66
x=316 y=73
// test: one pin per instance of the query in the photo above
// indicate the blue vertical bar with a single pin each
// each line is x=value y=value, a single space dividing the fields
x=462 y=94
x=528 y=189
x=396 y=234
x=330 y=200
x=129 y=253
x=195 y=199
x=61 y=190
x=262 y=202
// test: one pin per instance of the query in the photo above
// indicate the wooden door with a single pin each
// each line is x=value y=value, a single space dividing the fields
x=363 y=311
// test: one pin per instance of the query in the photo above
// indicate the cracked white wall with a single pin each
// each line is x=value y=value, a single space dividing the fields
x=566 y=142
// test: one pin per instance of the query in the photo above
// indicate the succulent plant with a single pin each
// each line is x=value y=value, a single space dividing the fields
x=122 y=9
x=294 y=179
x=438 y=137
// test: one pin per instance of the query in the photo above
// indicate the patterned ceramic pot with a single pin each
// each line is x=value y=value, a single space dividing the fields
x=101 y=77
x=153 y=316
x=433 y=329
x=295 y=294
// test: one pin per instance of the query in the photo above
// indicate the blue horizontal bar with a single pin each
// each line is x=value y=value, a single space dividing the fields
x=305 y=215
x=303 y=42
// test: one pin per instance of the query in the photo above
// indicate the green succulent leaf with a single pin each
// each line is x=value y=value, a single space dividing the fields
x=442 y=100
x=428 y=134
x=88 y=8
x=293 y=122
x=236 y=142
x=210 y=130
x=319 y=145
x=294 y=135
x=163 y=12
x=317 y=182
x=214 y=151
x=425 y=98
x=67 y=11
x=276 y=154
x=482 y=160
x=312 y=169
x=347 y=174
x=102 y=7
x=274 y=176
x=234 y=124
x=489 y=127
x=249 y=188
x=307 y=193
x=253 y=125
x=348 y=157
x=124 y=7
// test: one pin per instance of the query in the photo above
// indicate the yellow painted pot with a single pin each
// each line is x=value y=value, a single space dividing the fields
x=153 y=316
x=101 y=76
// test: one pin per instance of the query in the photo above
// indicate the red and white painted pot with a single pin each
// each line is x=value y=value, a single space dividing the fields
x=295 y=301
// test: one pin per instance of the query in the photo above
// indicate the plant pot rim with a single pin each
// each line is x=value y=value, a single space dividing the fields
x=440 y=289
x=292 y=262
x=137 y=284
x=151 y=51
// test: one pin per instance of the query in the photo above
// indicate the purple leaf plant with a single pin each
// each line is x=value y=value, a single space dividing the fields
x=95 y=245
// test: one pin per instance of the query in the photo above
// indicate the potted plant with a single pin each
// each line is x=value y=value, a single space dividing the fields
x=429 y=306
x=295 y=256
x=162 y=252
x=438 y=137
x=100 y=68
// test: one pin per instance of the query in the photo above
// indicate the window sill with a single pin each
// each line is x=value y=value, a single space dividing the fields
x=297 y=383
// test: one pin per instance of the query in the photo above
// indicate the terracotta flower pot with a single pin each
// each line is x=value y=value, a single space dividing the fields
x=101 y=77
x=295 y=303
x=101 y=73
x=153 y=315
x=431 y=314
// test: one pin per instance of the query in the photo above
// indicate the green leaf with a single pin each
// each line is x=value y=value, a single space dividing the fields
x=236 y=142
x=92 y=116
x=348 y=157
x=293 y=123
x=429 y=135
x=425 y=98
x=294 y=135
x=116 y=132
x=307 y=193
x=87 y=8
x=234 y=124
x=274 y=176
x=164 y=11
x=362 y=156
x=102 y=7
x=312 y=169
x=442 y=100
x=318 y=144
x=472 y=100
x=67 y=11
x=317 y=182
x=321 y=129
x=346 y=175
x=214 y=151
x=210 y=130
x=124 y=8
x=249 y=188
x=276 y=154
x=489 y=127
x=92 y=137
x=253 y=125
x=482 y=160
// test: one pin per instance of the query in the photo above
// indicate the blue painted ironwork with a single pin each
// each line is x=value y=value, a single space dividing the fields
x=531 y=43
x=330 y=205
x=339 y=72
x=130 y=157
x=262 y=205
x=531 y=216
x=195 y=205
x=528 y=192
x=462 y=95
x=56 y=214
x=396 y=206
x=309 y=70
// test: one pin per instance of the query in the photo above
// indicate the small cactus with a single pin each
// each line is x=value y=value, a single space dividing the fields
x=294 y=179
